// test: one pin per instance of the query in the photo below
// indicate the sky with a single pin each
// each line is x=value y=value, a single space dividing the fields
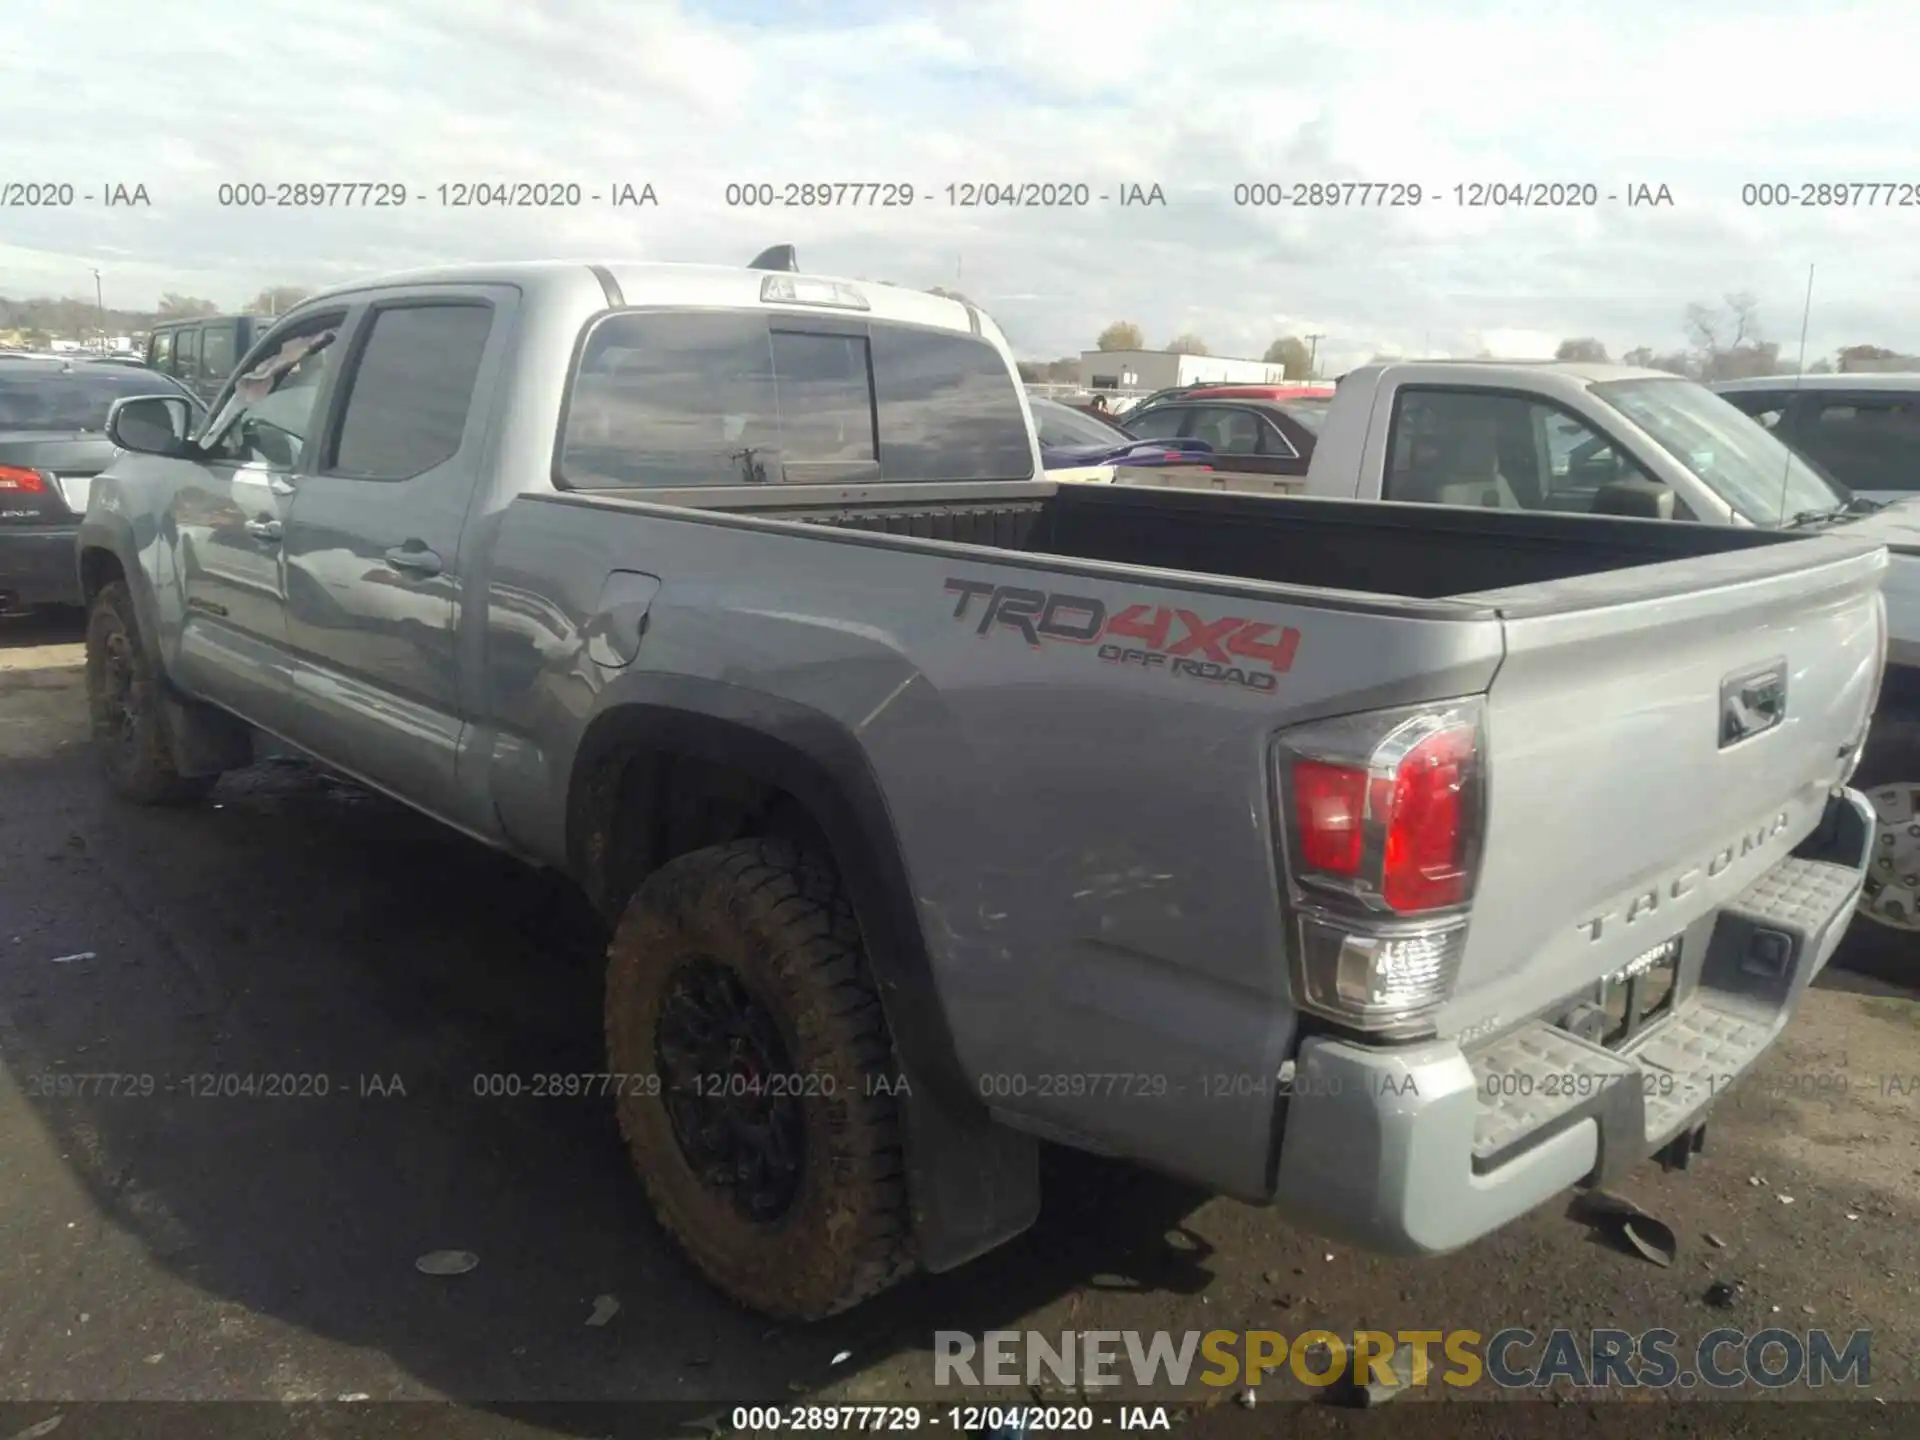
x=1198 y=99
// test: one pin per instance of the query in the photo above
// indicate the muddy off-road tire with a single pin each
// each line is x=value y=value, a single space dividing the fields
x=1884 y=938
x=770 y=1146
x=123 y=703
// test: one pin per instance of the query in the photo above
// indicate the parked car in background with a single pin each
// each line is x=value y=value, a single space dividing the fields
x=1615 y=440
x=202 y=352
x=1220 y=389
x=1262 y=442
x=1863 y=430
x=1302 y=390
x=53 y=441
x=1072 y=440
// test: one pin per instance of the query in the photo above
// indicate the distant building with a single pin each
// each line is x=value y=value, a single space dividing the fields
x=1162 y=369
x=1898 y=365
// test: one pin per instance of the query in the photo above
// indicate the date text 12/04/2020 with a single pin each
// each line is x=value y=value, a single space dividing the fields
x=212 y=1085
x=957 y=1419
x=449 y=195
x=1470 y=194
x=1063 y=194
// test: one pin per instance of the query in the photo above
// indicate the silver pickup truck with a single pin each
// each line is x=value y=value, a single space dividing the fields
x=1399 y=873
x=1571 y=438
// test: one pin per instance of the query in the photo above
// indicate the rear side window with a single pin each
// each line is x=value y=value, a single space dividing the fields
x=1769 y=407
x=666 y=399
x=410 y=390
x=949 y=409
x=217 y=351
x=1867 y=441
x=186 y=354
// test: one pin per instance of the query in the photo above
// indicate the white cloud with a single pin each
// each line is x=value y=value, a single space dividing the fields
x=1703 y=98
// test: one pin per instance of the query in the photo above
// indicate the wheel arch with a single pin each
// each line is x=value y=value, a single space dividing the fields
x=798 y=763
x=973 y=1183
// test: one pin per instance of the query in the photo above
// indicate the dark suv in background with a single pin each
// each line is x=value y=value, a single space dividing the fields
x=1863 y=430
x=201 y=353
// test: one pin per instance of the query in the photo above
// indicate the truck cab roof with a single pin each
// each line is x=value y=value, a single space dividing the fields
x=1524 y=373
x=652 y=282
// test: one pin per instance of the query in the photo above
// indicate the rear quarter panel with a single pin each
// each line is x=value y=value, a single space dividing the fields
x=1087 y=843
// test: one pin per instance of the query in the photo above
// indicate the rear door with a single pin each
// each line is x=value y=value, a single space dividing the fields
x=376 y=572
x=1635 y=782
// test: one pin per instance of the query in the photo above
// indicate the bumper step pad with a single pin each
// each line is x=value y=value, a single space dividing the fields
x=1540 y=1079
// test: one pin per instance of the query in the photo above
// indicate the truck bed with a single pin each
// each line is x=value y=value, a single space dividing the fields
x=1412 y=551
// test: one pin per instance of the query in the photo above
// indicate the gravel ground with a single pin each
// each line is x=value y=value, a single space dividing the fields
x=187 y=1246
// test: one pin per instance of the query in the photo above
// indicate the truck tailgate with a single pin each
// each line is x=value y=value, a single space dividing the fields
x=1641 y=773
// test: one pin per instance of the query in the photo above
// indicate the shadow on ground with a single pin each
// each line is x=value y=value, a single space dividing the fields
x=300 y=928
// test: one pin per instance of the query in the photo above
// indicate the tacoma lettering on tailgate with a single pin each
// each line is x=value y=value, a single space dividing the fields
x=1231 y=650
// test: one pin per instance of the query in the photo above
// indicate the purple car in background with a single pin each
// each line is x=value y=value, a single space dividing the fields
x=1070 y=439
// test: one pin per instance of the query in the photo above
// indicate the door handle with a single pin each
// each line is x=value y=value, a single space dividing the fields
x=414 y=556
x=264 y=529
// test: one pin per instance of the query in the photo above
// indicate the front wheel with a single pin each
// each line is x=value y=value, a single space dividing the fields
x=123 y=702
x=758 y=1092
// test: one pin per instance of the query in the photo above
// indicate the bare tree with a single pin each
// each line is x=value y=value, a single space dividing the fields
x=1187 y=344
x=185 y=307
x=1820 y=367
x=1586 y=350
x=1292 y=355
x=277 y=299
x=1728 y=346
x=1121 y=335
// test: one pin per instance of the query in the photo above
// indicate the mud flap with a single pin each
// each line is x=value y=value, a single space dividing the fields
x=203 y=740
x=973 y=1185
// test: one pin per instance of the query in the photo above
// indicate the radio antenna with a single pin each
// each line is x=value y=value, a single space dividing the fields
x=1786 y=463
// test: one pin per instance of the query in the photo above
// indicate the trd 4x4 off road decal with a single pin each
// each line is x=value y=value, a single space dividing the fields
x=1228 y=651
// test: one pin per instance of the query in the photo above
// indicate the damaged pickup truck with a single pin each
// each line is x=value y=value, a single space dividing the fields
x=1401 y=871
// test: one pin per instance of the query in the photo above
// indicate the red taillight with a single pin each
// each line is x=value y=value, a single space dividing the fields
x=1400 y=825
x=1383 y=814
x=1425 y=862
x=28 y=482
x=1329 y=804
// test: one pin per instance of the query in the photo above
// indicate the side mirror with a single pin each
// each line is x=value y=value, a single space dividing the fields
x=151 y=424
x=1642 y=499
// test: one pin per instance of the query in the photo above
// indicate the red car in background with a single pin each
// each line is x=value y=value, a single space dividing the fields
x=1301 y=391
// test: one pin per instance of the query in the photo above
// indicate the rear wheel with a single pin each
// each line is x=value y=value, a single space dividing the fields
x=123 y=701
x=757 y=1079
x=1885 y=934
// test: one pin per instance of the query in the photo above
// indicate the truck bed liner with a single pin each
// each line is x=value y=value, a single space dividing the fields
x=1413 y=551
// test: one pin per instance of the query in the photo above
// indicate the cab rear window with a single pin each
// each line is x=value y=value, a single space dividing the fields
x=680 y=399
